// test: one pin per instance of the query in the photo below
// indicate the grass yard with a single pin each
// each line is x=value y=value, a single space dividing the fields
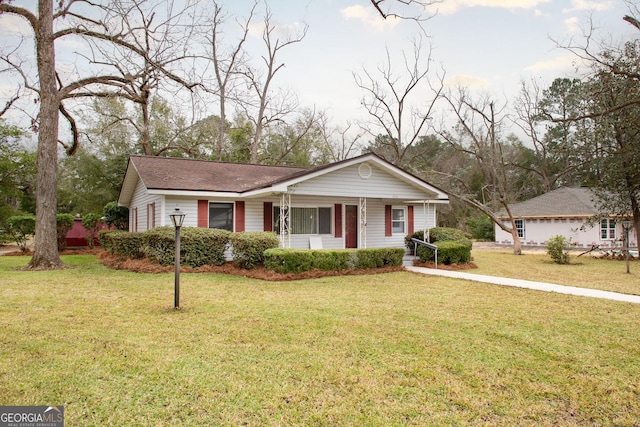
x=396 y=349
x=585 y=271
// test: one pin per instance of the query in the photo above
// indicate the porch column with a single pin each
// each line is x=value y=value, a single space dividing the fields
x=363 y=222
x=285 y=220
x=425 y=210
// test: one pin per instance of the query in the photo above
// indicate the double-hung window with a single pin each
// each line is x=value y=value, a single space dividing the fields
x=520 y=227
x=608 y=229
x=221 y=216
x=398 y=219
x=304 y=220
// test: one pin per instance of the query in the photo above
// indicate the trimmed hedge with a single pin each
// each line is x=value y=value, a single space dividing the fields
x=437 y=236
x=122 y=243
x=300 y=260
x=248 y=247
x=453 y=252
x=198 y=246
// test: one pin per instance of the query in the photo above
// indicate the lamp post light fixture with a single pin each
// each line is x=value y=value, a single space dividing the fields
x=626 y=225
x=177 y=218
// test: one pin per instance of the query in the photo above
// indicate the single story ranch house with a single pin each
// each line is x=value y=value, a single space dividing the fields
x=362 y=202
x=567 y=211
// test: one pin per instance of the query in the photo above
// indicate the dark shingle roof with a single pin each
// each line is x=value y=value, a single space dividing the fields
x=564 y=201
x=165 y=173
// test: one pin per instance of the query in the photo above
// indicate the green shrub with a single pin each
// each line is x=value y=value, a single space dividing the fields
x=248 y=248
x=438 y=234
x=21 y=227
x=203 y=246
x=299 y=260
x=92 y=222
x=122 y=243
x=557 y=248
x=198 y=246
x=453 y=252
x=481 y=228
x=64 y=223
x=116 y=216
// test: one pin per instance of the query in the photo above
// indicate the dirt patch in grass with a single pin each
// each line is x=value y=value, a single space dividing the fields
x=145 y=266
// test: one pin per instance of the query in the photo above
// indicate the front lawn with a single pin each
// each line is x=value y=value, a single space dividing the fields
x=584 y=271
x=396 y=349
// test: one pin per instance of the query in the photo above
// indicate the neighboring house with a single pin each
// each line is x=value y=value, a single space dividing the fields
x=363 y=202
x=569 y=212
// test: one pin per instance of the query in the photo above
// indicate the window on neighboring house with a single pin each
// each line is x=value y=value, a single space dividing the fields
x=305 y=220
x=151 y=216
x=608 y=229
x=398 y=220
x=221 y=216
x=520 y=227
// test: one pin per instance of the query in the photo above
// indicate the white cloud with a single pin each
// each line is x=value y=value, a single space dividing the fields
x=465 y=80
x=563 y=63
x=447 y=7
x=588 y=5
x=573 y=25
x=369 y=17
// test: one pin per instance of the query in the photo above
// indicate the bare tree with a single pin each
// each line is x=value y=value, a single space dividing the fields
x=398 y=103
x=478 y=137
x=264 y=108
x=226 y=67
x=340 y=143
x=160 y=35
x=405 y=9
x=53 y=21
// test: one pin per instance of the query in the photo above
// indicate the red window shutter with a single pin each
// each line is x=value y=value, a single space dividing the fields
x=337 y=220
x=410 y=220
x=239 y=216
x=203 y=213
x=268 y=216
x=388 y=230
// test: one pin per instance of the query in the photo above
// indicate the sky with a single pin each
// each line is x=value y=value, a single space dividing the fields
x=490 y=46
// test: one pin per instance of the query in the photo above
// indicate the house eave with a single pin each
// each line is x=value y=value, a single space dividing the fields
x=192 y=193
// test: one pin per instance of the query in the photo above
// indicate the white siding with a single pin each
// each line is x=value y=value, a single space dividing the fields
x=347 y=182
x=539 y=230
x=254 y=216
x=140 y=201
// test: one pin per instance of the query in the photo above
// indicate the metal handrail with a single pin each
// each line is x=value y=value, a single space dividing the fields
x=431 y=246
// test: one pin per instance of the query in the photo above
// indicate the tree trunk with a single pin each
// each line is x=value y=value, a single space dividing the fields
x=517 y=245
x=45 y=254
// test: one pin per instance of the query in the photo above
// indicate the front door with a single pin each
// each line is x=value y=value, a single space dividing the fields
x=351 y=226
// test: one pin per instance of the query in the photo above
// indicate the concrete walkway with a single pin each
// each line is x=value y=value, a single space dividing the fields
x=527 y=284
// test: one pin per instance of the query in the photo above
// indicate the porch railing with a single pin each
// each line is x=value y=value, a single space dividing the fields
x=431 y=246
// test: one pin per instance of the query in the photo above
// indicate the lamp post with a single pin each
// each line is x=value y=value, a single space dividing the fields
x=177 y=218
x=626 y=225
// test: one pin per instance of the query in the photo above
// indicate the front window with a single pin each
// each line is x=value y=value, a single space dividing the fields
x=398 y=220
x=520 y=228
x=221 y=216
x=305 y=220
x=608 y=229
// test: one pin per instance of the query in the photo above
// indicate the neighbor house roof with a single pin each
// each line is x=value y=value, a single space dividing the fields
x=561 y=202
x=173 y=175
